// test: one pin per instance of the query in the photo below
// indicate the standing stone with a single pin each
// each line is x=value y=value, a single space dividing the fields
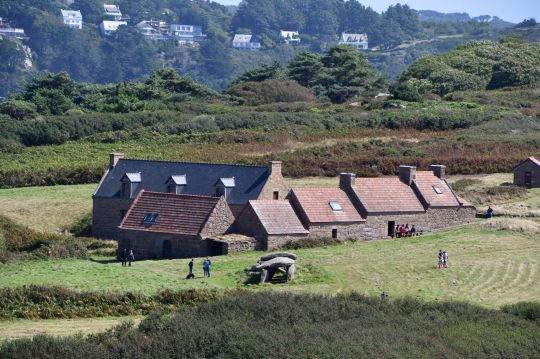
x=264 y=275
x=290 y=272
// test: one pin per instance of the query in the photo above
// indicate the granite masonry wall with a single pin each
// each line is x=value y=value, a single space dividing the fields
x=527 y=166
x=344 y=230
x=274 y=241
x=107 y=213
x=151 y=245
x=274 y=183
x=219 y=221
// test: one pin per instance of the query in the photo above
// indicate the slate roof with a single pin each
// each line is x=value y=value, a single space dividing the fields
x=277 y=217
x=315 y=204
x=132 y=177
x=426 y=181
x=200 y=178
x=386 y=194
x=532 y=159
x=178 y=180
x=177 y=213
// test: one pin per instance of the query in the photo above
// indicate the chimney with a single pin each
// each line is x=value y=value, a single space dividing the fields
x=439 y=171
x=114 y=158
x=407 y=174
x=274 y=168
x=346 y=180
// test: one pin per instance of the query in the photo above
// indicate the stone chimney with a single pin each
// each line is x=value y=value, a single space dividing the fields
x=439 y=171
x=346 y=180
x=114 y=158
x=407 y=174
x=274 y=168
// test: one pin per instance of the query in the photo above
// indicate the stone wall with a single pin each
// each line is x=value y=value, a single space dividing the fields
x=519 y=174
x=248 y=224
x=239 y=246
x=150 y=245
x=274 y=241
x=107 y=215
x=219 y=221
x=344 y=230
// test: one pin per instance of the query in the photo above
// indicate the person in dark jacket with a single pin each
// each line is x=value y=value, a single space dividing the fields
x=123 y=256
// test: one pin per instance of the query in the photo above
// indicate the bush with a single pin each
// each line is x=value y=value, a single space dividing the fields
x=82 y=227
x=525 y=310
x=271 y=91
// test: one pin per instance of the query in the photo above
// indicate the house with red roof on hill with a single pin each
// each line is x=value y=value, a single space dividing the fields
x=527 y=173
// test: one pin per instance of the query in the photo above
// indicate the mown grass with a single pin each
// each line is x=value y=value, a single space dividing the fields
x=282 y=325
x=488 y=267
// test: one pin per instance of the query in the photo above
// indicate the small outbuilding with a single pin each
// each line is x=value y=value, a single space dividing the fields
x=527 y=173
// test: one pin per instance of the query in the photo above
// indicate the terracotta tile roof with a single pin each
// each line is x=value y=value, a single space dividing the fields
x=315 y=203
x=534 y=160
x=177 y=213
x=277 y=217
x=428 y=184
x=386 y=194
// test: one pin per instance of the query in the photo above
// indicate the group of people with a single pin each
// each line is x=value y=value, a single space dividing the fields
x=406 y=230
x=207 y=264
x=127 y=257
x=443 y=259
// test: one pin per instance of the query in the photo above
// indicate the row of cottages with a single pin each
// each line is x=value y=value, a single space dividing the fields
x=176 y=209
x=527 y=173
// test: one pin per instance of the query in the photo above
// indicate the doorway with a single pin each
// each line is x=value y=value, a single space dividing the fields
x=166 y=250
x=391 y=229
x=528 y=179
x=334 y=233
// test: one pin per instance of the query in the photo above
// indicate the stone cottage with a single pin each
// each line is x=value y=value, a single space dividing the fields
x=420 y=198
x=125 y=178
x=168 y=225
x=327 y=212
x=271 y=223
x=527 y=173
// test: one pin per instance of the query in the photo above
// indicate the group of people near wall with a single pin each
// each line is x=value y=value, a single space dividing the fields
x=407 y=231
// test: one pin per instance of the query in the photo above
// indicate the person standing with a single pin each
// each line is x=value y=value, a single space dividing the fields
x=440 y=258
x=205 y=267
x=123 y=256
x=445 y=259
x=209 y=264
x=131 y=257
x=190 y=265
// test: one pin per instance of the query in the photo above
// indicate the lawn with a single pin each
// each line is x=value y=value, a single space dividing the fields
x=487 y=267
x=47 y=209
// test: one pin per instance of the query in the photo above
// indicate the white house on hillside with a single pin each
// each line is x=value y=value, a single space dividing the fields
x=360 y=41
x=245 y=42
x=152 y=30
x=290 y=37
x=108 y=27
x=72 y=18
x=113 y=11
x=187 y=34
x=8 y=31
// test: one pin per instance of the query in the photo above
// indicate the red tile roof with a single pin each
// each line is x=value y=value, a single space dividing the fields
x=534 y=160
x=386 y=194
x=315 y=203
x=177 y=213
x=277 y=217
x=426 y=181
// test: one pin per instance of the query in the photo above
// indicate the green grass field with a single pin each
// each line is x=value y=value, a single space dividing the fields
x=487 y=267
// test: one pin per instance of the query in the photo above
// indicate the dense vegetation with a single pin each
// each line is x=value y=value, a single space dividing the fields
x=345 y=326
x=476 y=65
x=125 y=56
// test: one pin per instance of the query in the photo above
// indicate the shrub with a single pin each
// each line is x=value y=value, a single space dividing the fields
x=525 y=310
x=271 y=91
x=82 y=226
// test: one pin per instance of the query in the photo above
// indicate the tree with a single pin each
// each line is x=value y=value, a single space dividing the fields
x=18 y=109
x=528 y=23
x=307 y=69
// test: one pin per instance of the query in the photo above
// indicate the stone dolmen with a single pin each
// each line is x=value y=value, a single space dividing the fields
x=269 y=264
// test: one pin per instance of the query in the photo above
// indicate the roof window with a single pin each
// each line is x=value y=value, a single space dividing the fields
x=150 y=218
x=335 y=206
x=437 y=189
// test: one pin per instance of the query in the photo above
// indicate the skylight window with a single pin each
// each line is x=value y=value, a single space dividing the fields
x=437 y=189
x=335 y=206
x=150 y=218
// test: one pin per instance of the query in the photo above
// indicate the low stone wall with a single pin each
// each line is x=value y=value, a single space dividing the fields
x=239 y=246
x=274 y=241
